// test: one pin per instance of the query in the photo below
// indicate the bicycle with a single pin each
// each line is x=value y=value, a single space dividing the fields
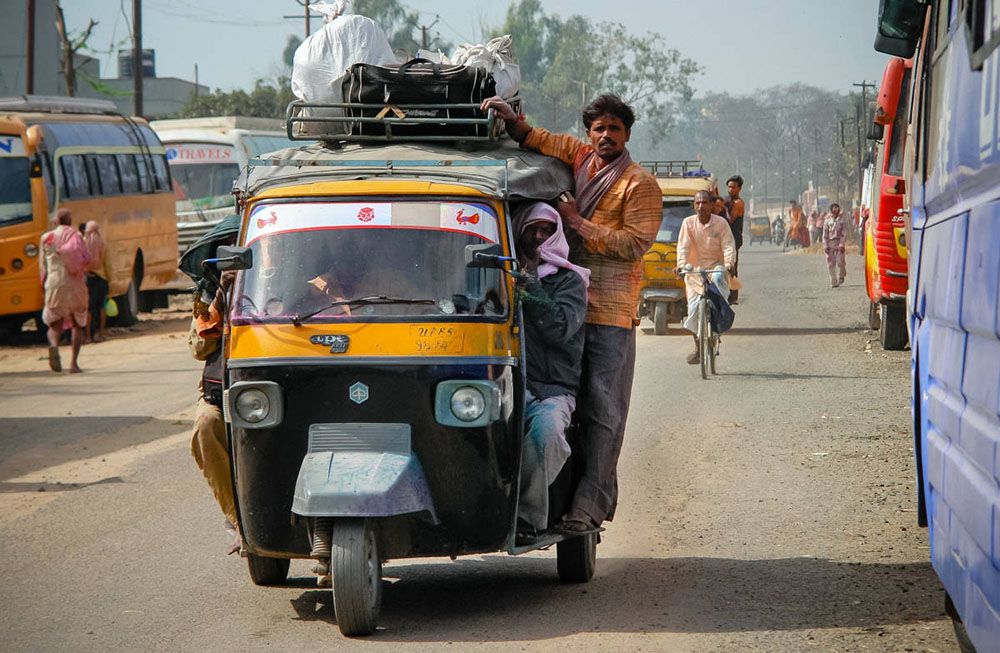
x=708 y=341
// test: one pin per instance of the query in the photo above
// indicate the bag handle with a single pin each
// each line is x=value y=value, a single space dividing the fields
x=435 y=67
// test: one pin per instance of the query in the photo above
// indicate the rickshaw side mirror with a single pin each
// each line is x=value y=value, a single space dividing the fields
x=485 y=256
x=232 y=258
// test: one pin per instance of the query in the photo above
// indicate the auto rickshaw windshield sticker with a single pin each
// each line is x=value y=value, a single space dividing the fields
x=437 y=340
x=472 y=219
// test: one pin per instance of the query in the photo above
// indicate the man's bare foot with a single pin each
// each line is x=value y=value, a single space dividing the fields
x=75 y=369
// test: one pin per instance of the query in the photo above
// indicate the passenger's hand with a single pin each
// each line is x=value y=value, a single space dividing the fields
x=499 y=106
x=568 y=211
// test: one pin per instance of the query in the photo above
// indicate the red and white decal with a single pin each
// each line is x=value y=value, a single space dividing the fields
x=470 y=218
x=273 y=219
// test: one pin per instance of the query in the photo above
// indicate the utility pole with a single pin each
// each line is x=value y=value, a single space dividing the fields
x=783 y=196
x=858 y=119
x=798 y=139
x=29 y=55
x=766 y=196
x=137 y=57
x=424 y=33
x=305 y=4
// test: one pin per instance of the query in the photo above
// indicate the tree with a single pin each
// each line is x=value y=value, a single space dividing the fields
x=401 y=26
x=566 y=62
x=288 y=54
x=70 y=46
x=266 y=100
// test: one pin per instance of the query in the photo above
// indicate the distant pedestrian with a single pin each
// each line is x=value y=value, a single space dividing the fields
x=834 y=244
x=735 y=212
x=63 y=271
x=816 y=221
x=97 y=280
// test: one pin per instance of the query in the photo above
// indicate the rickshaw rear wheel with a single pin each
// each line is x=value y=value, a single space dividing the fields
x=660 y=318
x=356 y=570
x=267 y=571
x=576 y=558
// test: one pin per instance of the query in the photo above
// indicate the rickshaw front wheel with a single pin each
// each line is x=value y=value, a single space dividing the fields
x=660 y=318
x=576 y=558
x=356 y=570
x=267 y=571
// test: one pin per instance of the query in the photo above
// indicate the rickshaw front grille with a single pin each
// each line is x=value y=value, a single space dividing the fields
x=359 y=437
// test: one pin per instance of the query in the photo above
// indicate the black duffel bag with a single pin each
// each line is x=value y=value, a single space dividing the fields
x=418 y=81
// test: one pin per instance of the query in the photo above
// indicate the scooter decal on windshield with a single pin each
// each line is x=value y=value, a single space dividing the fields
x=461 y=218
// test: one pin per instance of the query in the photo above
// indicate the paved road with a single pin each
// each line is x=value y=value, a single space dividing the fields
x=769 y=509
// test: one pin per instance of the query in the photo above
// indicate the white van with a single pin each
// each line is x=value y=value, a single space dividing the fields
x=205 y=157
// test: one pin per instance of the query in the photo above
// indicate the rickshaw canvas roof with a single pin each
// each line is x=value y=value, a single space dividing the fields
x=501 y=170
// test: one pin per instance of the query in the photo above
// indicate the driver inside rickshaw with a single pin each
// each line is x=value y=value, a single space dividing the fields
x=554 y=300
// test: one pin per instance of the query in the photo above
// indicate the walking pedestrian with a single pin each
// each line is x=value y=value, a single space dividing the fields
x=63 y=272
x=834 y=244
x=736 y=209
x=97 y=280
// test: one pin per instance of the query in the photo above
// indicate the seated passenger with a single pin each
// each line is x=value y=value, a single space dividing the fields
x=554 y=300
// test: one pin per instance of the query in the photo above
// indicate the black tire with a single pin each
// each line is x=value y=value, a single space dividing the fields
x=874 y=317
x=965 y=644
x=704 y=344
x=356 y=569
x=713 y=345
x=892 y=333
x=267 y=571
x=128 y=306
x=576 y=558
x=660 y=318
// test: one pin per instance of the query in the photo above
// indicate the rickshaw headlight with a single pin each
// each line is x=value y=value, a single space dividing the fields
x=252 y=405
x=468 y=404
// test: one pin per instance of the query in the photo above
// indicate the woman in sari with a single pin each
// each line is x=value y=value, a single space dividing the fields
x=63 y=271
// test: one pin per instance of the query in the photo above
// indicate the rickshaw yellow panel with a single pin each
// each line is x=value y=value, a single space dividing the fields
x=434 y=339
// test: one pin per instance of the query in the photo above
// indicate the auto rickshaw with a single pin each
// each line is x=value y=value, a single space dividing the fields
x=662 y=297
x=375 y=377
x=760 y=229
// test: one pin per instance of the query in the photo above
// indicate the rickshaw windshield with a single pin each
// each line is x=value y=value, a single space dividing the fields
x=363 y=262
x=673 y=216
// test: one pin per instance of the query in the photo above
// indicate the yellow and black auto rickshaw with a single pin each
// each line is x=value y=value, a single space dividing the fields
x=375 y=372
x=662 y=297
x=760 y=229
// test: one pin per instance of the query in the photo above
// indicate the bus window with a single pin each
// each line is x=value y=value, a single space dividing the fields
x=206 y=179
x=899 y=128
x=145 y=178
x=161 y=172
x=128 y=173
x=107 y=172
x=15 y=190
x=74 y=176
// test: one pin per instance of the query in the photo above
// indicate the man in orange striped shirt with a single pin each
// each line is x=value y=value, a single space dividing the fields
x=615 y=217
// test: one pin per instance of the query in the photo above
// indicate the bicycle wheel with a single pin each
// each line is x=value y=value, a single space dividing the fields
x=713 y=349
x=704 y=335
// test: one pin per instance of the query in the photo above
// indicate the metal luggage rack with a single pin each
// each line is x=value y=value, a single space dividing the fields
x=443 y=169
x=675 y=168
x=339 y=128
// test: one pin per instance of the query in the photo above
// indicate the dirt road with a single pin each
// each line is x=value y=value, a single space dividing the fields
x=769 y=509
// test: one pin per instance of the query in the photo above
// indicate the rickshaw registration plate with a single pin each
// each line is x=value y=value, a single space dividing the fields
x=437 y=339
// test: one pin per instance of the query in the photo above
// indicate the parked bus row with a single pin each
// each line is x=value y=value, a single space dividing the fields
x=939 y=211
x=154 y=188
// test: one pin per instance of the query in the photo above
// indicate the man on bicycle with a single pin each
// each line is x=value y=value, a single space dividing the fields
x=705 y=242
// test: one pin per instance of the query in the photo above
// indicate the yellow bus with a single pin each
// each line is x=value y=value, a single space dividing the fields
x=85 y=156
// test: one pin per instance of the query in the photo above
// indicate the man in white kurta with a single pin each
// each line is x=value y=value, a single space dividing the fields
x=705 y=242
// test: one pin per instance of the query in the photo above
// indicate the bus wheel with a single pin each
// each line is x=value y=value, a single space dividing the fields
x=128 y=306
x=893 y=334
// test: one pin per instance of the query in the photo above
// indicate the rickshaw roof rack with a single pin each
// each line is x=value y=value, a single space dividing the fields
x=56 y=104
x=676 y=168
x=502 y=169
x=310 y=121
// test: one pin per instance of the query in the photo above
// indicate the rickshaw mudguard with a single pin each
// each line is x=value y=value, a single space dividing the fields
x=361 y=484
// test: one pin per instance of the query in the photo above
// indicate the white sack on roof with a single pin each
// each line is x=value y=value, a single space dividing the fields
x=321 y=62
x=497 y=57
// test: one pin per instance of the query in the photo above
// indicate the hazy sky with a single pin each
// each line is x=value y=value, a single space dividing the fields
x=742 y=44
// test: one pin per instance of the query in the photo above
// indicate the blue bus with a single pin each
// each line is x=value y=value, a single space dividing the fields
x=952 y=162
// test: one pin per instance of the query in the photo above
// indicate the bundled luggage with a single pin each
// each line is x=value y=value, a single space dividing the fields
x=417 y=82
